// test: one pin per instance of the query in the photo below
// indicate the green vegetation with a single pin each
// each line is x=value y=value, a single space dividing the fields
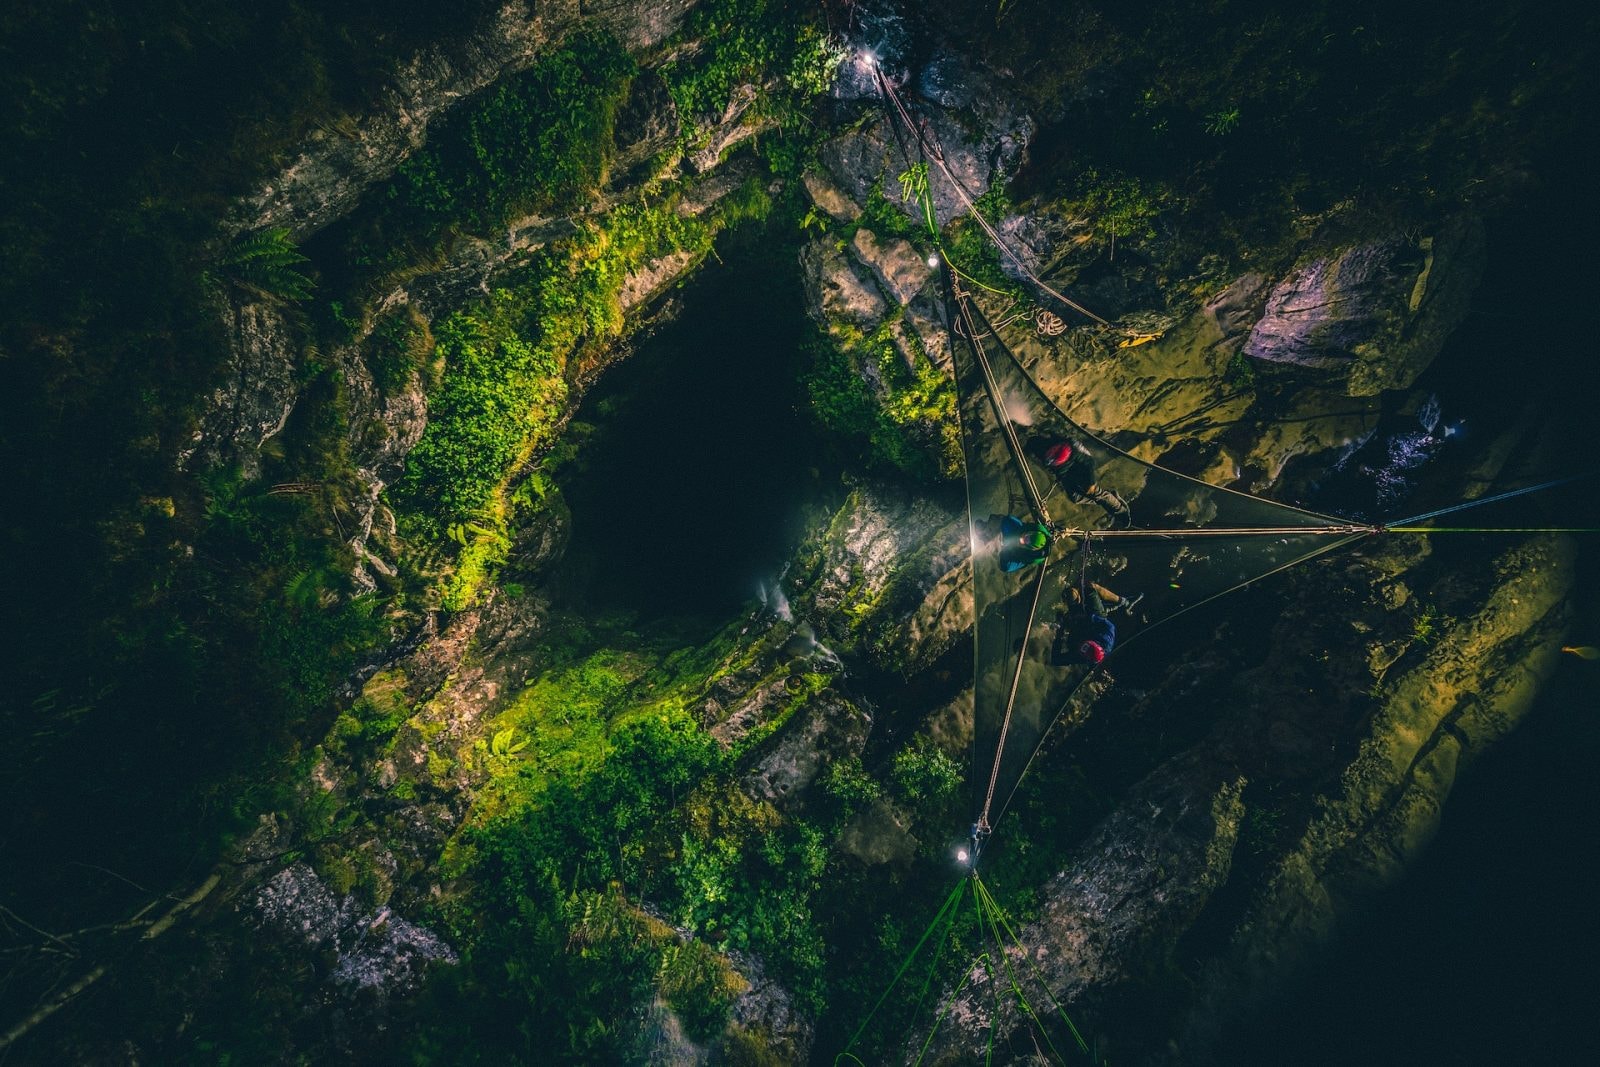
x=1244 y=127
x=268 y=262
x=1241 y=371
x=1425 y=625
x=770 y=44
x=885 y=219
x=534 y=143
x=924 y=774
x=401 y=344
x=1119 y=207
x=909 y=424
x=505 y=377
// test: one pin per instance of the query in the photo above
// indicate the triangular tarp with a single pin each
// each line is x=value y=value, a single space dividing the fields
x=1145 y=532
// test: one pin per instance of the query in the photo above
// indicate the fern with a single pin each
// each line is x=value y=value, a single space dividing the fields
x=506 y=743
x=267 y=261
x=303 y=588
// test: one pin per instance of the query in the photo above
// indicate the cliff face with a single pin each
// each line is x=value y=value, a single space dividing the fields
x=702 y=845
x=339 y=163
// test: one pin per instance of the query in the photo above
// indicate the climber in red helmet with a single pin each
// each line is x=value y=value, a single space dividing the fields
x=1085 y=633
x=1074 y=471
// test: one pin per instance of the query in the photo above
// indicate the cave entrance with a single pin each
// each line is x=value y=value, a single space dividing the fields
x=697 y=459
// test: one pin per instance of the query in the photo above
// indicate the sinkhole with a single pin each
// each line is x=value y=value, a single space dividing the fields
x=696 y=458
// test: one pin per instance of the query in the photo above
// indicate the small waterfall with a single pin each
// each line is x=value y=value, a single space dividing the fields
x=803 y=644
x=1429 y=414
x=774 y=600
x=827 y=657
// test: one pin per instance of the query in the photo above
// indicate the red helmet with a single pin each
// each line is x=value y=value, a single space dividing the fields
x=1092 y=652
x=1056 y=455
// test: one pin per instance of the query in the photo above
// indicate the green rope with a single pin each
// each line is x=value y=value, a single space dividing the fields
x=933 y=969
x=964 y=276
x=1083 y=1045
x=923 y=1051
x=996 y=918
x=946 y=912
x=994 y=982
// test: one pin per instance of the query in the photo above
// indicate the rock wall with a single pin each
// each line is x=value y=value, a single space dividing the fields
x=1372 y=747
x=341 y=159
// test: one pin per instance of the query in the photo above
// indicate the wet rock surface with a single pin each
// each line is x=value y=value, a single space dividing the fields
x=1207 y=854
x=1376 y=312
x=374 y=950
x=257 y=393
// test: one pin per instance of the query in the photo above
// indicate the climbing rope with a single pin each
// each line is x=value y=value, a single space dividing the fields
x=969 y=333
x=1408 y=524
x=928 y=149
x=1011 y=703
x=1229 y=531
x=946 y=914
x=1000 y=915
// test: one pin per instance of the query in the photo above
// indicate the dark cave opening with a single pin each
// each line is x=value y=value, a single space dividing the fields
x=698 y=460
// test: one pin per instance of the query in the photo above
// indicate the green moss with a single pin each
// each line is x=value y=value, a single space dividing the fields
x=752 y=1047
x=773 y=45
x=911 y=426
x=337 y=868
x=400 y=345
x=535 y=142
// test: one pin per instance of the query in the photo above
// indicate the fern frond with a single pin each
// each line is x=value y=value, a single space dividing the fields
x=268 y=260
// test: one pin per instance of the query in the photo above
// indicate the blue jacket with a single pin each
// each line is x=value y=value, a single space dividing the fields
x=1100 y=629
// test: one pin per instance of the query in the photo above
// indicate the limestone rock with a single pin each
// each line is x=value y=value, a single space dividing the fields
x=981 y=143
x=340 y=160
x=829 y=197
x=881 y=834
x=826 y=729
x=835 y=290
x=1145 y=872
x=1375 y=312
x=377 y=951
x=257 y=393
x=754 y=707
x=885 y=578
x=739 y=122
x=899 y=267
x=768 y=1009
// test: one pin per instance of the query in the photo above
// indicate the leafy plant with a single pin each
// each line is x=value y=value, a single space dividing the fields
x=1222 y=121
x=1425 y=625
x=914 y=189
x=506 y=743
x=1241 y=370
x=923 y=773
x=1119 y=205
x=268 y=262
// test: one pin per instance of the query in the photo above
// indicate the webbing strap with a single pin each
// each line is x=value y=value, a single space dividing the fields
x=1488 y=500
x=1228 y=531
x=1011 y=701
x=992 y=387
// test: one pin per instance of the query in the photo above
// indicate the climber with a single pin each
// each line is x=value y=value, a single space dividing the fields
x=1084 y=630
x=1074 y=470
x=1022 y=544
